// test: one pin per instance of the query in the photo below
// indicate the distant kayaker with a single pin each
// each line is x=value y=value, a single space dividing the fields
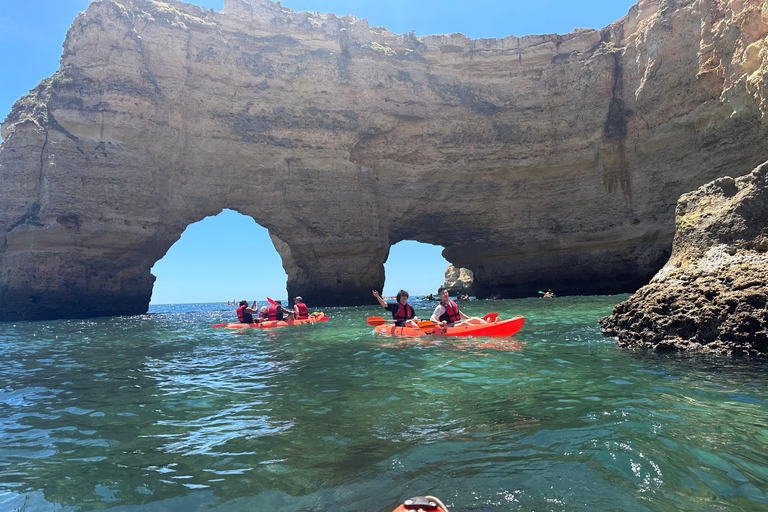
x=402 y=312
x=300 y=310
x=245 y=314
x=548 y=294
x=447 y=313
x=277 y=312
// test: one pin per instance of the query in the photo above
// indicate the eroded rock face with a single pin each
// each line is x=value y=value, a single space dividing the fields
x=533 y=161
x=459 y=281
x=712 y=294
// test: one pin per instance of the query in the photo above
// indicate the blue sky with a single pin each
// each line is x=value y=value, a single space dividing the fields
x=205 y=265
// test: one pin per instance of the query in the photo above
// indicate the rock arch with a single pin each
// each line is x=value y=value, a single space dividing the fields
x=533 y=160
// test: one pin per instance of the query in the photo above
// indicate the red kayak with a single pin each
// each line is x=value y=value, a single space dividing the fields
x=314 y=317
x=495 y=328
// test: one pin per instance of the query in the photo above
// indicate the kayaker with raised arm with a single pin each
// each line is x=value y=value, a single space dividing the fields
x=402 y=312
x=245 y=314
x=447 y=313
x=300 y=310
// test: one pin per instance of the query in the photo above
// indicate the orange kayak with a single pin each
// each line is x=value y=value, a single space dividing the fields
x=314 y=317
x=497 y=328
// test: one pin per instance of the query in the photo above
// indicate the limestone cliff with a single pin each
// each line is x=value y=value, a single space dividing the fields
x=537 y=160
x=712 y=294
x=459 y=281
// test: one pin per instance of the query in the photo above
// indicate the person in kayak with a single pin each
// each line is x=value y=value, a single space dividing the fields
x=447 y=313
x=402 y=312
x=263 y=313
x=300 y=310
x=245 y=314
x=277 y=312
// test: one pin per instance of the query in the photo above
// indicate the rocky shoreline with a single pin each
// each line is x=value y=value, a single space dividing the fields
x=711 y=295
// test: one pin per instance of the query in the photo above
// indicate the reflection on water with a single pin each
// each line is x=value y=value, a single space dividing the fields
x=163 y=412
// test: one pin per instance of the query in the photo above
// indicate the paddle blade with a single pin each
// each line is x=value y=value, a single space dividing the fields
x=426 y=325
x=324 y=319
x=219 y=325
x=271 y=301
x=376 y=320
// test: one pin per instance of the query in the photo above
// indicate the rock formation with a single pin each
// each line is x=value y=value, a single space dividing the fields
x=712 y=294
x=537 y=160
x=459 y=281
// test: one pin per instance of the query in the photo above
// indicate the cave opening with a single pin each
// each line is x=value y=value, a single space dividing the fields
x=418 y=268
x=222 y=258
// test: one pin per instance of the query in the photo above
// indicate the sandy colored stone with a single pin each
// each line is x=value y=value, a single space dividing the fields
x=549 y=160
x=459 y=281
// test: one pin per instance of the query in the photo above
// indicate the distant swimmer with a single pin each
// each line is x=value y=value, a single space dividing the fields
x=447 y=313
x=548 y=294
x=402 y=312
x=245 y=314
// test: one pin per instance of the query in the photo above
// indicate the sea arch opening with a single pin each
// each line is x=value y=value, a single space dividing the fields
x=417 y=267
x=221 y=258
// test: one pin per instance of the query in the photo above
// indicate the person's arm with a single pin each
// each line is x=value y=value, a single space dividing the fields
x=439 y=310
x=381 y=301
x=463 y=315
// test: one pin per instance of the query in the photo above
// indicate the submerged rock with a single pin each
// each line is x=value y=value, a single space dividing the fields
x=712 y=294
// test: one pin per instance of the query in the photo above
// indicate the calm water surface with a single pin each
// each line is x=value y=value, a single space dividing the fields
x=163 y=413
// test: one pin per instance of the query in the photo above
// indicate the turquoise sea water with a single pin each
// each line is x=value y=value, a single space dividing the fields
x=161 y=412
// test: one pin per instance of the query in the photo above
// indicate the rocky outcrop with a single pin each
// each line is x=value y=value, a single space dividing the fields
x=712 y=293
x=459 y=281
x=537 y=160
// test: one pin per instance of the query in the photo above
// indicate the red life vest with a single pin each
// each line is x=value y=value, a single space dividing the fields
x=303 y=313
x=263 y=315
x=243 y=316
x=275 y=313
x=403 y=313
x=451 y=314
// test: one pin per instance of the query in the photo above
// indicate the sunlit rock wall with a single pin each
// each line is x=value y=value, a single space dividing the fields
x=537 y=161
x=711 y=295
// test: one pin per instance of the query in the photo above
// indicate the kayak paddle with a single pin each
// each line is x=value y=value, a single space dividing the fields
x=271 y=301
x=376 y=320
x=425 y=325
x=219 y=325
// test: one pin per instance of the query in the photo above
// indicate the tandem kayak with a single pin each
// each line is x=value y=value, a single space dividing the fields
x=497 y=328
x=314 y=317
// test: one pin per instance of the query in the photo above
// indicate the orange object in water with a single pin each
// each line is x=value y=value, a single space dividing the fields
x=314 y=317
x=498 y=327
x=422 y=504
